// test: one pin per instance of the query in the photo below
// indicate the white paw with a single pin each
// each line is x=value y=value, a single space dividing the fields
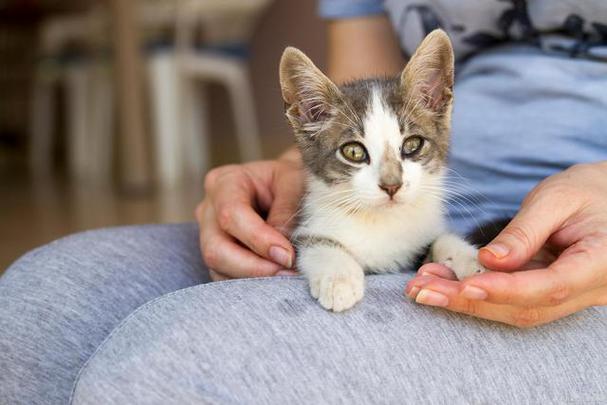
x=464 y=264
x=337 y=291
x=457 y=254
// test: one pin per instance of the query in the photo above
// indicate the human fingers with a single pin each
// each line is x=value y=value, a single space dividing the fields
x=542 y=213
x=222 y=254
x=438 y=270
x=446 y=294
x=233 y=199
x=580 y=268
x=288 y=191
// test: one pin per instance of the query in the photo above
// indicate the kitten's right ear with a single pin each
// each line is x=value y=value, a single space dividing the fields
x=307 y=92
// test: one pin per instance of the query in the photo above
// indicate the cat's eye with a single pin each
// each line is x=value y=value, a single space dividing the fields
x=354 y=152
x=412 y=145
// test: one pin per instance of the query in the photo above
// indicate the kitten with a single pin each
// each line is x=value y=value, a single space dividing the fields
x=375 y=152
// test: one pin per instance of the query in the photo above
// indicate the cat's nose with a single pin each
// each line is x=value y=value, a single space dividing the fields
x=391 y=189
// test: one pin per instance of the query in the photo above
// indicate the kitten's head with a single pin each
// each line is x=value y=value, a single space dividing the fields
x=378 y=142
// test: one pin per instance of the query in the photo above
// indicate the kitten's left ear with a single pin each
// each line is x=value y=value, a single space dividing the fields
x=429 y=74
x=307 y=92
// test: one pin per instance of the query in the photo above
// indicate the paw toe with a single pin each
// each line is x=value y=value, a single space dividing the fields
x=315 y=289
x=341 y=293
x=344 y=297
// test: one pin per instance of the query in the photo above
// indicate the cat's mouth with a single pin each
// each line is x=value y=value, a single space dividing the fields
x=390 y=203
x=387 y=203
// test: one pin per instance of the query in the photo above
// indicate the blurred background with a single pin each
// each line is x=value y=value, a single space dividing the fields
x=111 y=111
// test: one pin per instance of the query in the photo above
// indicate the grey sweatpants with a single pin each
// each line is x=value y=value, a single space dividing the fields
x=105 y=316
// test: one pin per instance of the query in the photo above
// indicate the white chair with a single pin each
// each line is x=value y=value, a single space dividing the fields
x=176 y=73
x=178 y=97
x=87 y=86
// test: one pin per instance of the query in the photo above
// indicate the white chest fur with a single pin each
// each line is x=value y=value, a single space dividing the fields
x=383 y=241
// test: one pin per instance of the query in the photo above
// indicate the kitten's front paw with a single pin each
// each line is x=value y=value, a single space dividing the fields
x=457 y=254
x=338 y=291
x=464 y=264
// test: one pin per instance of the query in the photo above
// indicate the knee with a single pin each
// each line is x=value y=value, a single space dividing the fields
x=104 y=250
x=69 y=252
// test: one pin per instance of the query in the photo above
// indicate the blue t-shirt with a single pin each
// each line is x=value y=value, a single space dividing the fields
x=530 y=93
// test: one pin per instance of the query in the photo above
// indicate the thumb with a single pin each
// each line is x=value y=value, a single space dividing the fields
x=524 y=236
x=282 y=215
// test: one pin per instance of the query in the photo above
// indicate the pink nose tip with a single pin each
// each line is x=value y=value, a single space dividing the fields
x=390 y=189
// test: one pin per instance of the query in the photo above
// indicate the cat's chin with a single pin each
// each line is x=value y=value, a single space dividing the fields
x=398 y=200
x=384 y=206
x=389 y=204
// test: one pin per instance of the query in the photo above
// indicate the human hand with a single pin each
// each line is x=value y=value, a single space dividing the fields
x=549 y=262
x=235 y=239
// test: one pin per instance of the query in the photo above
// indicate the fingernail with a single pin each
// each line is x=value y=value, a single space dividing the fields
x=287 y=273
x=281 y=256
x=474 y=293
x=413 y=292
x=498 y=250
x=429 y=297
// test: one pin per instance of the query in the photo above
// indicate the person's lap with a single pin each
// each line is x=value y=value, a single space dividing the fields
x=59 y=302
x=268 y=341
x=260 y=340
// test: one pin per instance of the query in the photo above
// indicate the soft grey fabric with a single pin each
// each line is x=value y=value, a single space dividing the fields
x=265 y=341
x=59 y=302
x=261 y=340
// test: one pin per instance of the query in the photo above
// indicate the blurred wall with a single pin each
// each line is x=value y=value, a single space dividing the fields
x=286 y=22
